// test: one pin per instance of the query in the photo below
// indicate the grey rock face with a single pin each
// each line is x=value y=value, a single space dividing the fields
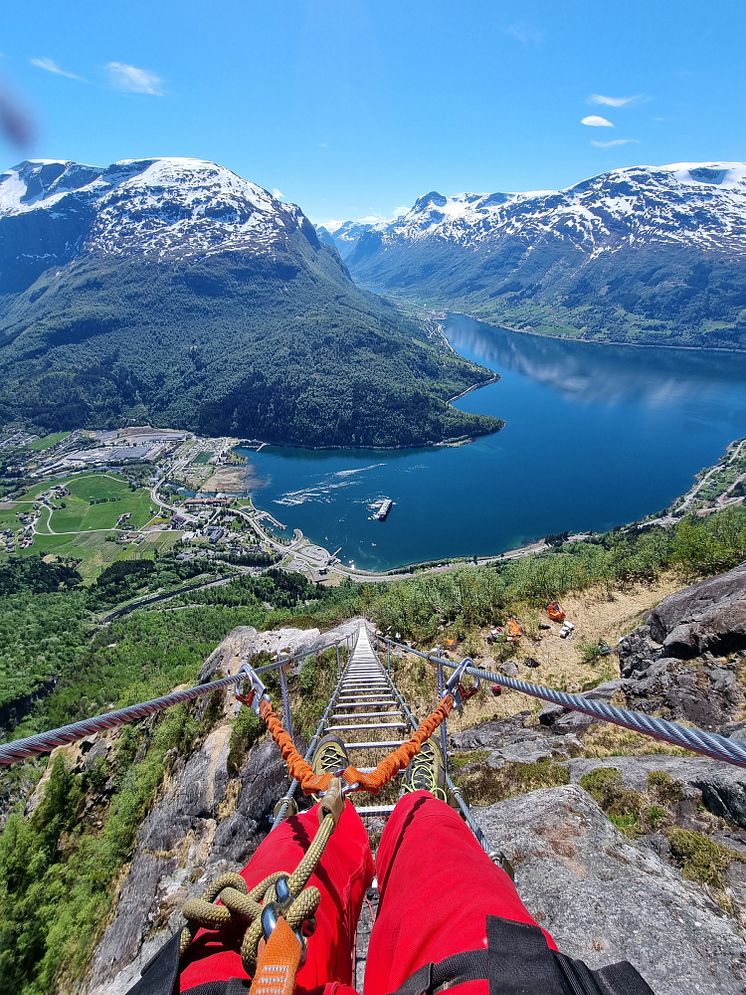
x=561 y=720
x=720 y=787
x=606 y=899
x=708 y=616
x=686 y=660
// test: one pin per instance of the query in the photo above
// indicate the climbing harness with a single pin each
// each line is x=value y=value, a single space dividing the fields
x=517 y=960
x=278 y=897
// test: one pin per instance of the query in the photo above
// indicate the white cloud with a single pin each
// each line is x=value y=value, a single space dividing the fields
x=278 y=194
x=594 y=121
x=599 y=98
x=524 y=33
x=133 y=79
x=331 y=225
x=50 y=66
x=616 y=142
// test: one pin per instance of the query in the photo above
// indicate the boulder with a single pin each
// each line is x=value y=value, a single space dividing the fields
x=710 y=616
x=720 y=787
x=561 y=720
x=606 y=899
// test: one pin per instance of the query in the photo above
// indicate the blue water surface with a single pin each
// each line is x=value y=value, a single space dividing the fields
x=595 y=436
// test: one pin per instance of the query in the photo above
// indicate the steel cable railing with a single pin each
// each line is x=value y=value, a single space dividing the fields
x=710 y=744
x=44 y=742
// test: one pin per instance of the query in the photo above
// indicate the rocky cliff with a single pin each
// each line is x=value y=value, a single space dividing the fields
x=208 y=819
x=639 y=851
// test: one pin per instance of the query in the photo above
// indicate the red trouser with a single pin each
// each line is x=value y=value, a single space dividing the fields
x=436 y=888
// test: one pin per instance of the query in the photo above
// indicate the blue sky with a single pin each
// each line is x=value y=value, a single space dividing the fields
x=356 y=107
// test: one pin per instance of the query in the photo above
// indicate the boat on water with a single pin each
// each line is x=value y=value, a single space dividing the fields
x=383 y=510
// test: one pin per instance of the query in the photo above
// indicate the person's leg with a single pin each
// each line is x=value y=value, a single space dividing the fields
x=342 y=876
x=436 y=888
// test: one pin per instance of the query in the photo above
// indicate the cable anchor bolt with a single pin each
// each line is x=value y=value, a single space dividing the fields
x=257 y=691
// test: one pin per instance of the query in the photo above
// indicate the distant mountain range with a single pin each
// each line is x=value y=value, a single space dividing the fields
x=643 y=254
x=174 y=290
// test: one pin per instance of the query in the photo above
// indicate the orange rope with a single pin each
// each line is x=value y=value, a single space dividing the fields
x=311 y=783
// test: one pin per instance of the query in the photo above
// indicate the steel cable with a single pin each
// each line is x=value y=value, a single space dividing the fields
x=710 y=744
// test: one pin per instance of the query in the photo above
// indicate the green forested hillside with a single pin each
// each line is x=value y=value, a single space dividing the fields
x=652 y=296
x=284 y=349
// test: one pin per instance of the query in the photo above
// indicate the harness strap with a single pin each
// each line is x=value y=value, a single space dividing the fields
x=278 y=962
x=233 y=987
x=518 y=961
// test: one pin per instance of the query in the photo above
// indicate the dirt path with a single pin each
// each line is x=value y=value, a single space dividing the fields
x=560 y=662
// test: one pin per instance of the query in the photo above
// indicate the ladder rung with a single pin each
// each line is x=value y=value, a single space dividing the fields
x=372 y=810
x=386 y=744
x=368 y=725
x=389 y=705
x=341 y=716
x=375 y=692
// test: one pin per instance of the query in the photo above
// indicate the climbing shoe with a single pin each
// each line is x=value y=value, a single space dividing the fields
x=426 y=771
x=330 y=757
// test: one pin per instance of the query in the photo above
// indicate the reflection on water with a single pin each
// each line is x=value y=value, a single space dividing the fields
x=595 y=436
x=592 y=374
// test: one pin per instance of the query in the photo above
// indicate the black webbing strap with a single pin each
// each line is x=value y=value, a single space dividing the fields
x=159 y=975
x=518 y=961
x=233 y=987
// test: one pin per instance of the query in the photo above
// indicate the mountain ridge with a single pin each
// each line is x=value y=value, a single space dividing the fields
x=655 y=255
x=174 y=290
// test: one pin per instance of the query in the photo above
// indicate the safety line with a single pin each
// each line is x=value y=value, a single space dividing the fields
x=44 y=742
x=709 y=744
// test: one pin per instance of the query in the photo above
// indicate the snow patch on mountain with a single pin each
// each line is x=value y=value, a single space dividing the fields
x=701 y=204
x=170 y=207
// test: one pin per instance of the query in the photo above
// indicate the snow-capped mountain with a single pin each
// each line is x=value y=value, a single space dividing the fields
x=174 y=290
x=168 y=208
x=684 y=203
x=643 y=253
x=346 y=236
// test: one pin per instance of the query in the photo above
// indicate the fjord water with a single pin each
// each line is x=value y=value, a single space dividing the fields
x=596 y=436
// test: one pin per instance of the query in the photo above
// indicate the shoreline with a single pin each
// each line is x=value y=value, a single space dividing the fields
x=620 y=345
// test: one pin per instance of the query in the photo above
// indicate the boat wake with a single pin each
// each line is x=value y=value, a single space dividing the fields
x=323 y=490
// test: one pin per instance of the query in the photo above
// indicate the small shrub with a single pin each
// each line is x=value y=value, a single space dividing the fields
x=485 y=785
x=701 y=858
x=246 y=730
x=622 y=805
x=664 y=788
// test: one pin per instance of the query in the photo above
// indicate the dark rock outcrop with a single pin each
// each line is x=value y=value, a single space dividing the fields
x=687 y=661
x=708 y=617
x=606 y=899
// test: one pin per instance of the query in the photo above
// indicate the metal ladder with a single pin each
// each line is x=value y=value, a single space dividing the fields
x=368 y=714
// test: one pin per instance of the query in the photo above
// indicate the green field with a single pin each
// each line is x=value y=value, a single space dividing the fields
x=202 y=457
x=85 y=528
x=95 y=502
x=47 y=441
